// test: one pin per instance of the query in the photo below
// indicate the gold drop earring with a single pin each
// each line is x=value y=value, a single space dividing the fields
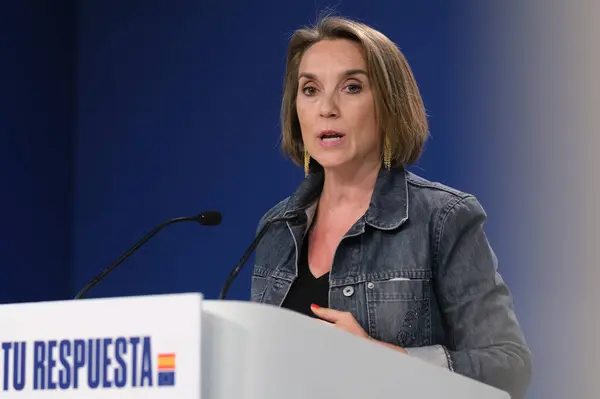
x=306 y=162
x=387 y=153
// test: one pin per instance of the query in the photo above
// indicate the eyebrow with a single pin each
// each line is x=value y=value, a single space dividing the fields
x=347 y=73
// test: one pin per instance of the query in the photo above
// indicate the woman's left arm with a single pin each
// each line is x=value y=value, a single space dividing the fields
x=484 y=339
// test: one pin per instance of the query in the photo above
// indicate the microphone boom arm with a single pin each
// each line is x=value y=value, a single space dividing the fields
x=243 y=260
x=295 y=218
x=210 y=218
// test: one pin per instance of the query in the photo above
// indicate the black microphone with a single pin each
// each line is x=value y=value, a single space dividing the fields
x=295 y=218
x=208 y=218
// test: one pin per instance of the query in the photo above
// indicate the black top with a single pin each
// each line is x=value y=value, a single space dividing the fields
x=307 y=289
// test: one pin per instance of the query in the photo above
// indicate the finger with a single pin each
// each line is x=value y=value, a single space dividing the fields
x=330 y=315
x=328 y=323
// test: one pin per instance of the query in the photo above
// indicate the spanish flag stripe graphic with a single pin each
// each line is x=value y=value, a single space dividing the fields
x=166 y=361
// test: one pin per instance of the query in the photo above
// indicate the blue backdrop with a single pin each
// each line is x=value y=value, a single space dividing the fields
x=37 y=135
x=118 y=115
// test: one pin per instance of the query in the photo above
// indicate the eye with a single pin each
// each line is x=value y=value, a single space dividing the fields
x=309 y=90
x=354 y=88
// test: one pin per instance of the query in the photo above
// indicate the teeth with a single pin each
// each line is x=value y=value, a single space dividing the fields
x=336 y=138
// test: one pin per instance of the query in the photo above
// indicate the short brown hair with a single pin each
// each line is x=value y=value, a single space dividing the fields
x=398 y=103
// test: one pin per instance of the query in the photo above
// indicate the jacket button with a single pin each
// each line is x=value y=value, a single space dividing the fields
x=370 y=285
x=348 y=291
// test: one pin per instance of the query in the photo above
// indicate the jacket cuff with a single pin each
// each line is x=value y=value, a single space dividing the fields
x=435 y=354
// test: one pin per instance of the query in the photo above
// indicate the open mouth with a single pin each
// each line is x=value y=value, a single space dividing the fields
x=330 y=136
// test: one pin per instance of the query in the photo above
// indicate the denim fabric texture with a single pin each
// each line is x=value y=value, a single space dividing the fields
x=415 y=271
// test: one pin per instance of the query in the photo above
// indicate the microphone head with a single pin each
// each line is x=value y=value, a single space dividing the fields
x=210 y=218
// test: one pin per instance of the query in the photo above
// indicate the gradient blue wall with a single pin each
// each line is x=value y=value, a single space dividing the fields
x=36 y=139
x=177 y=107
x=178 y=112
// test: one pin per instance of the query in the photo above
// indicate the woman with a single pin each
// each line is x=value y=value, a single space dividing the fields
x=384 y=254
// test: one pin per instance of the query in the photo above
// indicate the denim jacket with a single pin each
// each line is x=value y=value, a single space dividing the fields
x=415 y=271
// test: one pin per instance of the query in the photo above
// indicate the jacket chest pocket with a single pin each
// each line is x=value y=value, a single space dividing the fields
x=258 y=288
x=399 y=311
x=268 y=286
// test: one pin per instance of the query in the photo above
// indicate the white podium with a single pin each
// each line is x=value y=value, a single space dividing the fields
x=181 y=346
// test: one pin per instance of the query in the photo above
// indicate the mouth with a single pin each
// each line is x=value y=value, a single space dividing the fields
x=329 y=136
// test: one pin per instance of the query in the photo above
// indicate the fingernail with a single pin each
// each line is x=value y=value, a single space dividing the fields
x=315 y=306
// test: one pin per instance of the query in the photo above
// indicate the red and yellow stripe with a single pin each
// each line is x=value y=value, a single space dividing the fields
x=166 y=361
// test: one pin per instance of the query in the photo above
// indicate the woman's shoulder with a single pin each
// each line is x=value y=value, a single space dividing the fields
x=438 y=199
x=275 y=211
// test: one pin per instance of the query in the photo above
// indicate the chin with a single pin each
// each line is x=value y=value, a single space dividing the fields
x=342 y=163
x=333 y=163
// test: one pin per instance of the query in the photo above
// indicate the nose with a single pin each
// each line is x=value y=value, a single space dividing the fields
x=329 y=107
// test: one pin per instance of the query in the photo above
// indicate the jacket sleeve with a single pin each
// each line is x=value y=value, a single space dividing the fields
x=483 y=338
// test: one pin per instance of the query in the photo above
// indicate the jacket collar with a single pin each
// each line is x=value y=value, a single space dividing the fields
x=389 y=203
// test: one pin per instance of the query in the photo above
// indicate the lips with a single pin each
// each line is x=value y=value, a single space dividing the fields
x=330 y=136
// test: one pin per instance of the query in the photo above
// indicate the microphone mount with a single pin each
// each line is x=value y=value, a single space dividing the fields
x=208 y=218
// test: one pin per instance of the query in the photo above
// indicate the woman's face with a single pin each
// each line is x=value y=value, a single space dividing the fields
x=335 y=105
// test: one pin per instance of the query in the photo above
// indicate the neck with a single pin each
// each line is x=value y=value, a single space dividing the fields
x=349 y=187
